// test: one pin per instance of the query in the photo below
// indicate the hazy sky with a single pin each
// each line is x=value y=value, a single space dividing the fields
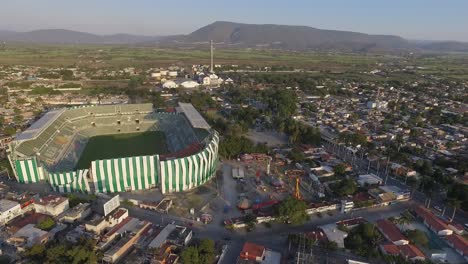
x=413 y=19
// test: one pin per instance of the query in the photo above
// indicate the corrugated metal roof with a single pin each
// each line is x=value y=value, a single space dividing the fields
x=194 y=117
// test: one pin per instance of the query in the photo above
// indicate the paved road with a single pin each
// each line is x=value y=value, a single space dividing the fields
x=274 y=238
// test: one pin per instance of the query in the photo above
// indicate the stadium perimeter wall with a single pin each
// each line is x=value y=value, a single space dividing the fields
x=142 y=173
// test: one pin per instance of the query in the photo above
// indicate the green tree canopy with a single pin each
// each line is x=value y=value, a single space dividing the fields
x=293 y=210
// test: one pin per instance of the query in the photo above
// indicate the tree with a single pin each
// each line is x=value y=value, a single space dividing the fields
x=36 y=252
x=203 y=253
x=455 y=205
x=339 y=169
x=345 y=187
x=190 y=256
x=292 y=210
x=330 y=245
x=20 y=101
x=417 y=237
x=9 y=131
x=46 y=224
x=18 y=118
x=363 y=239
x=206 y=250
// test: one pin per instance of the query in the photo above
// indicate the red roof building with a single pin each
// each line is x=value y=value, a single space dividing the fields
x=251 y=251
x=390 y=249
x=408 y=251
x=433 y=222
x=411 y=252
x=352 y=222
x=460 y=244
x=391 y=232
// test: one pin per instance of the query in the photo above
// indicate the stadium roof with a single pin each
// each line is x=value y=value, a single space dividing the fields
x=36 y=128
x=194 y=117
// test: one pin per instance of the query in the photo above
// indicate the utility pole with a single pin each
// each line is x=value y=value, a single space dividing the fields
x=211 y=52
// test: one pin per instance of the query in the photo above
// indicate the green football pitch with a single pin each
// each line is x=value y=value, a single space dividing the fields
x=122 y=145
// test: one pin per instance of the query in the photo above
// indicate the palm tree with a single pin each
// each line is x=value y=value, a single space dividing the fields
x=427 y=187
x=455 y=204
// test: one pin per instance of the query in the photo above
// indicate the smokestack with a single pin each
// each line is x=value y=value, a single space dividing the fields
x=211 y=49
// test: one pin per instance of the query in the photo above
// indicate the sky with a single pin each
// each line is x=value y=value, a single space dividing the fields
x=411 y=19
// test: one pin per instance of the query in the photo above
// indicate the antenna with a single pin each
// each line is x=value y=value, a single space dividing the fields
x=211 y=51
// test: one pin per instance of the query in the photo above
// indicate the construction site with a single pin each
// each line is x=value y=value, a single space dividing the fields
x=255 y=182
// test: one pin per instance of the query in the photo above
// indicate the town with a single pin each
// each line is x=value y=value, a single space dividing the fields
x=160 y=132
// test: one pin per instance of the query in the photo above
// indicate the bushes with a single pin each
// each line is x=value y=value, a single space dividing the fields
x=46 y=224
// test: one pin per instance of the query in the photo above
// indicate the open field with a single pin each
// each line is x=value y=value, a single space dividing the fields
x=116 y=57
x=95 y=56
x=123 y=145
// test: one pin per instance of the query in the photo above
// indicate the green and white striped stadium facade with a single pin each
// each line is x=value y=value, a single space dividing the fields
x=130 y=174
x=27 y=171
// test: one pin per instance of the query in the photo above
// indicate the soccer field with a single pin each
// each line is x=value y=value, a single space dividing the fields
x=122 y=145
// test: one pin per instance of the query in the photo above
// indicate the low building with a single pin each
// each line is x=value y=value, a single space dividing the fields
x=346 y=206
x=99 y=224
x=334 y=234
x=125 y=244
x=321 y=207
x=180 y=236
x=271 y=257
x=391 y=232
x=161 y=238
x=460 y=245
x=409 y=251
x=322 y=171
x=8 y=210
x=369 y=179
x=238 y=173
x=251 y=251
x=51 y=205
x=434 y=223
x=352 y=222
x=76 y=213
x=28 y=236
x=399 y=193
x=76 y=234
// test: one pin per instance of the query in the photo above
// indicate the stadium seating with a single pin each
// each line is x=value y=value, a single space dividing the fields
x=62 y=142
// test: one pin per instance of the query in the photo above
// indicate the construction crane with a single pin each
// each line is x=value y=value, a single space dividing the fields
x=297 y=191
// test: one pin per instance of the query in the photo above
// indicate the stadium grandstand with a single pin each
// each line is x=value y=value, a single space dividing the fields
x=171 y=151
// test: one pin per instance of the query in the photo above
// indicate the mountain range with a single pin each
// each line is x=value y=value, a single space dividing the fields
x=229 y=34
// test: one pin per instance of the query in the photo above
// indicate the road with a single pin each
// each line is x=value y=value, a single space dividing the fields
x=275 y=237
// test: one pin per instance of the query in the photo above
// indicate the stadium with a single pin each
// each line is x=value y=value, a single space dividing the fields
x=117 y=148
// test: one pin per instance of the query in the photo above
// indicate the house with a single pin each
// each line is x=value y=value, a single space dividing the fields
x=352 y=222
x=411 y=252
x=391 y=232
x=460 y=245
x=434 y=223
x=399 y=193
x=321 y=207
x=77 y=213
x=180 y=236
x=28 y=236
x=334 y=234
x=408 y=251
x=99 y=224
x=8 y=210
x=52 y=205
x=126 y=242
x=369 y=179
x=251 y=251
